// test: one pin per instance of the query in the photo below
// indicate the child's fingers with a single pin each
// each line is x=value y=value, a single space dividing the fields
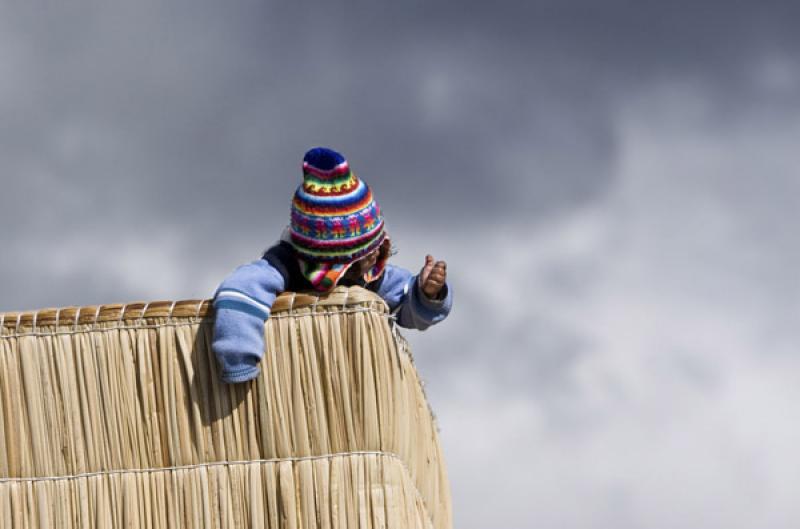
x=426 y=268
x=438 y=278
x=440 y=268
x=431 y=289
x=436 y=274
x=433 y=276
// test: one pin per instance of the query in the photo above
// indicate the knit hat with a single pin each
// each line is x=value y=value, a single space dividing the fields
x=335 y=221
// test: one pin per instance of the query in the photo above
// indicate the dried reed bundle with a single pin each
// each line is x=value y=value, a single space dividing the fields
x=114 y=416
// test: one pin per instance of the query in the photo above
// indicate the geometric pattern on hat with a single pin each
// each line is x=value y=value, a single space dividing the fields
x=334 y=217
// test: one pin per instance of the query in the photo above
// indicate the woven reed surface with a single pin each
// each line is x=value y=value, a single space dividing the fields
x=114 y=416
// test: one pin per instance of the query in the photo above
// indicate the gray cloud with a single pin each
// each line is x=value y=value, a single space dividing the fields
x=663 y=338
x=185 y=111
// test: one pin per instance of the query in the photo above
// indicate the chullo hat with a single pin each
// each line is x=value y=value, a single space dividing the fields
x=335 y=220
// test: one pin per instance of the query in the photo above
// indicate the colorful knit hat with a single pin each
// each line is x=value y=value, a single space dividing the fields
x=335 y=220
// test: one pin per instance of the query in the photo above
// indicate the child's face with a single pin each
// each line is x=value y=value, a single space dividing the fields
x=363 y=265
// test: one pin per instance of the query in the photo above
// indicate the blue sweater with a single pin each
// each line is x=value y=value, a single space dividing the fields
x=243 y=302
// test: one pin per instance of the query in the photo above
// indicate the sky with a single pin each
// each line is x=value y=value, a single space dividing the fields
x=614 y=186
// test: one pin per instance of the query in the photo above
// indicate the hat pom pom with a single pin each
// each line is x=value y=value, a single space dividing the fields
x=322 y=162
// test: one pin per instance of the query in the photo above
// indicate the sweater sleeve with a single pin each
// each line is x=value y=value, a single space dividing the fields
x=400 y=289
x=242 y=304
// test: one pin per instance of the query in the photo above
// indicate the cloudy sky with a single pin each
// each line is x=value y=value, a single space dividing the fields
x=614 y=185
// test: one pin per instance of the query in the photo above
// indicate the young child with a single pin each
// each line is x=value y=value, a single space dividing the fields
x=336 y=236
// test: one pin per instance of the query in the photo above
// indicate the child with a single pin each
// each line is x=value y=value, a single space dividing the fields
x=336 y=236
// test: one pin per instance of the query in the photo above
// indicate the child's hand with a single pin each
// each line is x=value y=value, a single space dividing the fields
x=432 y=277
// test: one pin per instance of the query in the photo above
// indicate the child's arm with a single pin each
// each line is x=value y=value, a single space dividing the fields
x=402 y=292
x=242 y=304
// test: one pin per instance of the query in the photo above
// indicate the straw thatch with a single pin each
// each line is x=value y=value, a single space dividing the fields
x=114 y=416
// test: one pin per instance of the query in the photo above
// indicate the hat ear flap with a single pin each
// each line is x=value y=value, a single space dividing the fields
x=384 y=252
